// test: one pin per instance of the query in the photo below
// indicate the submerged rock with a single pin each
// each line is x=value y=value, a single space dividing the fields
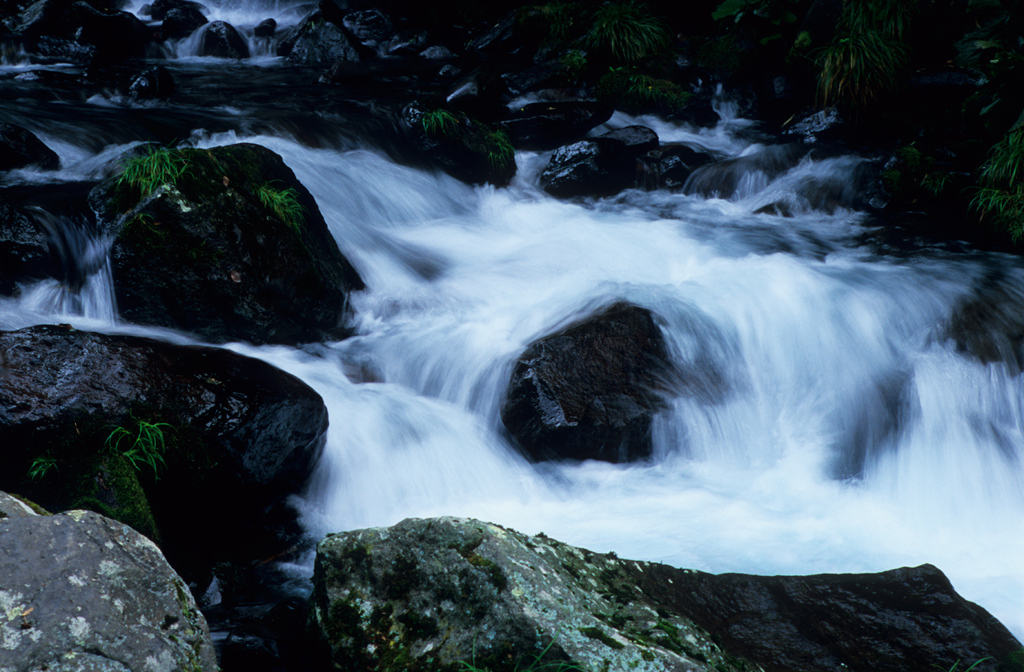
x=235 y=248
x=222 y=40
x=591 y=390
x=435 y=593
x=20 y=148
x=240 y=436
x=103 y=599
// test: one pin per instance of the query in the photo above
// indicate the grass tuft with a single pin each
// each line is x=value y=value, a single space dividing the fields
x=152 y=170
x=627 y=31
x=1000 y=195
x=41 y=466
x=634 y=92
x=143 y=445
x=500 y=152
x=284 y=203
x=440 y=124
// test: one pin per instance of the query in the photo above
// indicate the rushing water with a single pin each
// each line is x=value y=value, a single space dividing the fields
x=848 y=434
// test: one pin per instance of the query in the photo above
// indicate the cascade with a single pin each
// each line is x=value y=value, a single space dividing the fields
x=849 y=433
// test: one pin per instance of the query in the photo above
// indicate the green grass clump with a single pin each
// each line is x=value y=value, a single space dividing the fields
x=1000 y=194
x=635 y=92
x=41 y=466
x=440 y=124
x=142 y=445
x=627 y=32
x=500 y=152
x=574 y=62
x=867 y=56
x=152 y=170
x=284 y=203
x=538 y=664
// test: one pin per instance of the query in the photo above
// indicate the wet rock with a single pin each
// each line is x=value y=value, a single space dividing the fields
x=988 y=325
x=180 y=22
x=596 y=167
x=221 y=39
x=437 y=53
x=64 y=51
x=24 y=249
x=591 y=390
x=160 y=8
x=208 y=255
x=117 y=36
x=724 y=179
x=106 y=599
x=155 y=83
x=546 y=75
x=431 y=594
x=370 y=27
x=240 y=436
x=427 y=594
x=265 y=28
x=676 y=163
x=463 y=147
x=541 y=126
x=322 y=43
x=20 y=148
x=637 y=139
x=479 y=94
x=908 y=618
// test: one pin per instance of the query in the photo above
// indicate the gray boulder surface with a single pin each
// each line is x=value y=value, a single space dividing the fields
x=80 y=592
x=431 y=594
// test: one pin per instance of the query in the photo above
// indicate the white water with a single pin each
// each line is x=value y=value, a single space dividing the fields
x=818 y=346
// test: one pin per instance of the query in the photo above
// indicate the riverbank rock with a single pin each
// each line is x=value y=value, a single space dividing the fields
x=239 y=437
x=103 y=599
x=20 y=148
x=591 y=390
x=233 y=248
x=429 y=594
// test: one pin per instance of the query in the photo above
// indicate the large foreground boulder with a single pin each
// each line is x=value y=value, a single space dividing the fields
x=226 y=244
x=83 y=593
x=239 y=437
x=433 y=594
x=591 y=390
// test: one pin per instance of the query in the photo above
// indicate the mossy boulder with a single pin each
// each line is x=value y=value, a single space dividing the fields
x=240 y=437
x=436 y=593
x=431 y=594
x=209 y=251
x=463 y=147
x=102 y=599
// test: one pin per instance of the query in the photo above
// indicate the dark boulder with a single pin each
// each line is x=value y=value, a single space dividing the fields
x=540 y=126
x=64 y=51
x=240 y=436
x=637 y=139
x=903 y=619
x=371 y=27
x=429 y=594
x=160 y=8
x=222 y=40
x=20 y=148
x=235 y=249
x=265 y=28
x=545 y=75
x=463 y=147
x=155 y=83
x=117 y=36
x=322 y=43
x=180 y=22
x=675 y=163
x=595 y=167
x=104 y=599
x=988 y=324
x=591 y=390
x=24 y=249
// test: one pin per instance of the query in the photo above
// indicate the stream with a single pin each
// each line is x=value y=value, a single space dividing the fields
x=848 y=433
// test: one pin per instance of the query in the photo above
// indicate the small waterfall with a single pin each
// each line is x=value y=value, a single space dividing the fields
x=85 y=287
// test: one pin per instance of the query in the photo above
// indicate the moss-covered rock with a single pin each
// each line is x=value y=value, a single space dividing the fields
x=225 y=243
x=463 y=147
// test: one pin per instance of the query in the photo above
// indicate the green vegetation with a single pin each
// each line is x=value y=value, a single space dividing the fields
x=867 y=56
x=41 y=466
x=440 y=124
x=956 y=665
x=538 y=664
x=1000 y=195
x=501 y=155
x=634 y=92
x=144 y=445
x=284 y=203
x=152 y=170
x=627 y=32
x=574 y=62
x=599 y=635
